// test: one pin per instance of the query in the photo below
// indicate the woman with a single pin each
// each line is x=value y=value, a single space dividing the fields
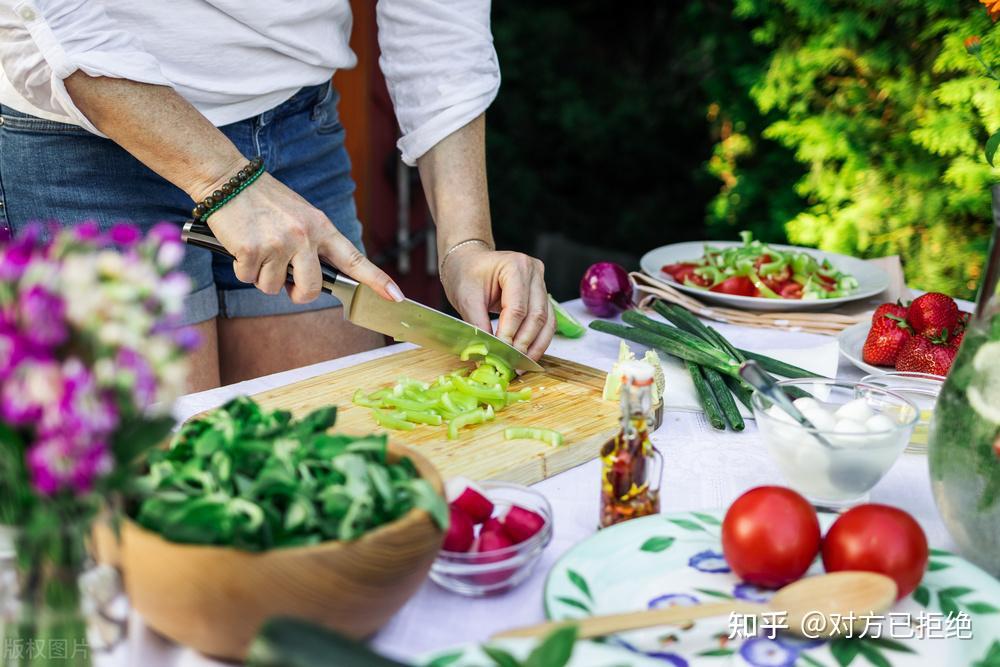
x=138 y=110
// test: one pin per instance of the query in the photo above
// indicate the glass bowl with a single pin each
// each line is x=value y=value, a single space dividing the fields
x=922 y=389
x=842 y=472
x=480 y=574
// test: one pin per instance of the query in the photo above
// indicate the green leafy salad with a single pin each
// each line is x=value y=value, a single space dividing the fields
x=257 y=479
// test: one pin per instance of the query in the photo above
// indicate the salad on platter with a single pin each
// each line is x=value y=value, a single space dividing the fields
x=756 y=269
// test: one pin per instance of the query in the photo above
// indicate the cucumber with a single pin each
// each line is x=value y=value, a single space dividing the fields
x=566 y=324
x=291 y=642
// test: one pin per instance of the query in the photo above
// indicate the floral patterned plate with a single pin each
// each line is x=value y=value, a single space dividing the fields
x=585 y=654
x=676 y=559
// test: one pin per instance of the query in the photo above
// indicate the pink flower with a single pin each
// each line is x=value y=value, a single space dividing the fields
x=42 y=317
x=82 y=406
x=14 y=348
x=140 y=376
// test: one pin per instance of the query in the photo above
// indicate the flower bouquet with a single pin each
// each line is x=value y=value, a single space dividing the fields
x=91 y=358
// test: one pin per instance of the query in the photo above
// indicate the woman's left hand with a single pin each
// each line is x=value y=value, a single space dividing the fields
x=479 y=281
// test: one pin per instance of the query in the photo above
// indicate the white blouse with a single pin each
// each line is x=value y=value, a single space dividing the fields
x=233 y=59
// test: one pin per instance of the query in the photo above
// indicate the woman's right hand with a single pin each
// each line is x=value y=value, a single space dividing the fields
x=268 y=227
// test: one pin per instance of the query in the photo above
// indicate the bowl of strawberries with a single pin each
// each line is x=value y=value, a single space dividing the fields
x=496 y=533
x=922 y=337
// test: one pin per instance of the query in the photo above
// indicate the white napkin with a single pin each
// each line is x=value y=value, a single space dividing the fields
x=812 y=352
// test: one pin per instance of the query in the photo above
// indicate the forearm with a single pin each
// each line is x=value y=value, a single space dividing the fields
x=160 y=128
x=453 y=174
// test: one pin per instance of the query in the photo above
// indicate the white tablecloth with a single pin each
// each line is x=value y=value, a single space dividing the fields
x=703 y=469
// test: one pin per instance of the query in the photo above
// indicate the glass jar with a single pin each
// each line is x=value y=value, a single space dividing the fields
x=964 y=445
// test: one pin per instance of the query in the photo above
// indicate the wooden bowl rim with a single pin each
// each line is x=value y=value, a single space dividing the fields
x=409 y=520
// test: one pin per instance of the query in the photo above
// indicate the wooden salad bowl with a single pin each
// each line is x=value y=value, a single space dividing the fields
x=214 y=599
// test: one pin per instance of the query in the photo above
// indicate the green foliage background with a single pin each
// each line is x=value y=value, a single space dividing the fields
x=853 y=125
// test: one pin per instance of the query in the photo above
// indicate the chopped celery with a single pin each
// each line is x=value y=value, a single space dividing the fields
x=546 y=435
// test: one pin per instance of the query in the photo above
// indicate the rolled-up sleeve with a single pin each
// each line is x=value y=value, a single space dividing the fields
x=439 y=64
x=70 y=35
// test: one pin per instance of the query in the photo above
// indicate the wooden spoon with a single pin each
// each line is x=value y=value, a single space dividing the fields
x=832 y=597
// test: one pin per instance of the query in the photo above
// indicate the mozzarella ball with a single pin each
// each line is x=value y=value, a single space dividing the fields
x=856 y=411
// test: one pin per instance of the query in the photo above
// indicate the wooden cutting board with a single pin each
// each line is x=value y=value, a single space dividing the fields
x=567 y=397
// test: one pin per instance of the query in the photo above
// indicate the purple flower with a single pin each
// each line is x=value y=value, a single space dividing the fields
x=16 y=255
x=14 y=348
x=31 y=387
x=187 y=338
x=752 y=593
x=67 y=460
x=88 y=231
x=42 y=317
x=139 y=375
x=673 y=600
x=165 y=232
x=83 y=407
x=709 y=561
x=124 y=234
x=763 y=652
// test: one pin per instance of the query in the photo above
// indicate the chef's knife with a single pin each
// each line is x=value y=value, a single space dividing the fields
x=405 y=320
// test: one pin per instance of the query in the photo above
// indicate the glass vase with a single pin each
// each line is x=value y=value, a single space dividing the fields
x=964 y=444
x=56 y=607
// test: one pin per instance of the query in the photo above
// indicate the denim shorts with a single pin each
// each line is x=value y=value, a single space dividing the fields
x=56 y=172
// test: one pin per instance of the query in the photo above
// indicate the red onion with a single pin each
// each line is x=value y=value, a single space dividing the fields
x=605 y=289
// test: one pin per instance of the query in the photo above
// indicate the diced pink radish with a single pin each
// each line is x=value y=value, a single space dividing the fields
x=492 y=525
x=520 y=524
x=467 y=496
x=460 y=532
x=491 y=541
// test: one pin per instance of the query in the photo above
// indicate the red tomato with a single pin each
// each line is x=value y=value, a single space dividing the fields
x=770 y=536
x=673 y=269
x=738 y=285
x=791 y=290
x=878 y=538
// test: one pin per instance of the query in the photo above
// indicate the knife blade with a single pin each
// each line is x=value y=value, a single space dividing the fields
x=406 y=320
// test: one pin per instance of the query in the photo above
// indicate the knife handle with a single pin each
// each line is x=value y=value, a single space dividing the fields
x=199 y=234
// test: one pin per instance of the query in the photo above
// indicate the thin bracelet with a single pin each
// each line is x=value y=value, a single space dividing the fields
x=444 y=257
x=235 y=185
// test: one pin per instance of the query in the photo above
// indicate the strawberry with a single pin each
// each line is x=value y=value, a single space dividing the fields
x=885 y=339
x=922 y=355
x=932 y=313
x=956 y=340
x=897 y=309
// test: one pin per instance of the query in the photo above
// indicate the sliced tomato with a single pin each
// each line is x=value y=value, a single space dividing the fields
x=673 y=269
x=790 y=290
x=737 y=286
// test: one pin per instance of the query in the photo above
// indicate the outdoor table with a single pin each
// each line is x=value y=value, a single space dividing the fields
x=703 y=469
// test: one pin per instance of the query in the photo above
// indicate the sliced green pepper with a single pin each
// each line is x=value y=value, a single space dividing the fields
x=479 y=391
x=365 y=401
x=477 y=349
x=393 y=421
x=423 y=417
x=477 y=416
x=547 y=435
x=517 y=396
x=501 y=366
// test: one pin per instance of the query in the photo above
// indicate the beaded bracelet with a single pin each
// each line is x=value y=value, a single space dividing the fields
x=235 y=185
